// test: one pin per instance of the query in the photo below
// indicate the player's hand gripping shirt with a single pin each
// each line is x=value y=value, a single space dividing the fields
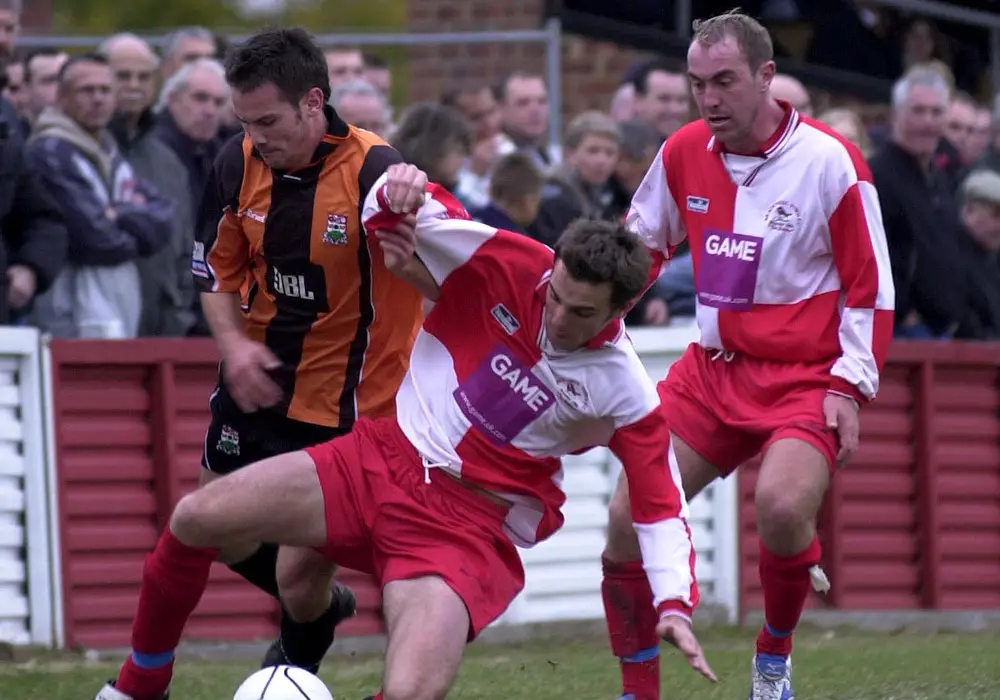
x=789 y=251
x=488 y=398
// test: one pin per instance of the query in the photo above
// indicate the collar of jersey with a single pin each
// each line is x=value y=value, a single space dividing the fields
x=607 y=335
x=774 y=142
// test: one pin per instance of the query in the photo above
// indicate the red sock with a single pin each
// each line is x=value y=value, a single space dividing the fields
x=628 y=607
x=173 y=580
x=786 y=588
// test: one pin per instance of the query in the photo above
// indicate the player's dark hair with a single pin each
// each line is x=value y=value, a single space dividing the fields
x=287 y=58
x=605 y=252
x=90 y=57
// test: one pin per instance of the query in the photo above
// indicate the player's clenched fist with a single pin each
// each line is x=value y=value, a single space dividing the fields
x=245 y=366
x=677 y=630
x=405 y=187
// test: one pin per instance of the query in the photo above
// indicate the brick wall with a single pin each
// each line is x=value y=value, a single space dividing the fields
x=591 y=70
x=37 y=16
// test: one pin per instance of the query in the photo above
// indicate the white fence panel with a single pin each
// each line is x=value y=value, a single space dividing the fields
x=563 y=575
x=26 y=584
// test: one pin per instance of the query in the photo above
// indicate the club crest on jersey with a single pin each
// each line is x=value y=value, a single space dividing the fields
x=336 y=230
x=783 y=217
x=573 y=393
x=505 y=318
x=229 y=442
x=699 y=205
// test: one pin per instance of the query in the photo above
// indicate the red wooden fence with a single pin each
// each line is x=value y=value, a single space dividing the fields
x=130 y=422
x=913 y=523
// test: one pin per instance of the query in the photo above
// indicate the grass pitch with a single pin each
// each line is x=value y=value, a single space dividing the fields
x=842 y=665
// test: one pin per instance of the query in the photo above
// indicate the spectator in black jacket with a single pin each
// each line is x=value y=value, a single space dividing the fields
x=919 y=211
x=33 y=238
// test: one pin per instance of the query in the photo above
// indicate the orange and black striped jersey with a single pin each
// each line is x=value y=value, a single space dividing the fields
x=315 y=289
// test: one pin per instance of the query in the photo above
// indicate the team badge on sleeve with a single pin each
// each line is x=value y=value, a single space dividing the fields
x=336 y=230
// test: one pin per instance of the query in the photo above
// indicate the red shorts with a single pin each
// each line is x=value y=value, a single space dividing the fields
x=383 y=519
x=730 y=411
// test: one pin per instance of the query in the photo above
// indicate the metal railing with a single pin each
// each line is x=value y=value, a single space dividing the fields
x=550 y=35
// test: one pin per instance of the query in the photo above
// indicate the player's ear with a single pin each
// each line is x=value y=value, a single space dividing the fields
x=766 y=73
x=315 y=101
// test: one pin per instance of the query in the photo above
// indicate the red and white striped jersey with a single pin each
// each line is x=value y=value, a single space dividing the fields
x=789 y=252
x=490 y=400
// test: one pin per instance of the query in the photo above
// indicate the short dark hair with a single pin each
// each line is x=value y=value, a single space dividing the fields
x=89 y=57
x=35 y=53
x=455 y=92
x=373 y=60
x=515 y=176
x=605 y=252
x=288 y=58
x=427 y=131
x=640 y=79
x=500 y=90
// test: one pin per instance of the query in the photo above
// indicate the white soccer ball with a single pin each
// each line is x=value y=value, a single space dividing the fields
x=283 y=683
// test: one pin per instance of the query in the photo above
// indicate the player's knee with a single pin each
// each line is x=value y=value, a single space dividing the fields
x=782 y=514
x=191 y=520
x=623 y=544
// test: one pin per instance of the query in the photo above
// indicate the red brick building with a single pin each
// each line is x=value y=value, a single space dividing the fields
x=591 y=70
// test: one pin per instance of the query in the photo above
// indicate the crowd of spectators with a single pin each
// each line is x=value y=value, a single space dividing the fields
x=105 y=156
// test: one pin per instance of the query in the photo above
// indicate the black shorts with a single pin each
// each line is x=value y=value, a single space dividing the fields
x=236 y=439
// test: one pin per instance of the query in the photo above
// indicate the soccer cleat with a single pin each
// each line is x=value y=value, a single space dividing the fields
x=771 y=678
x=347 y=606
x=110 y=692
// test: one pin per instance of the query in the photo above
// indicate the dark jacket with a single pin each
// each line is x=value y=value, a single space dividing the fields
x=167 y=287
x=32 y=232
x=114 y=220
x=983 y=320
x=564 y=199
x=197 y=157
x=920 y=215
x=494 y=216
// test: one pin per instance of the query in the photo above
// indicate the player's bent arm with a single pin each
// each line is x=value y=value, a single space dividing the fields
x=653 y=214
x=861 y=255
x=224 y=318
x=415 y=273
x=659 y=513
x=446 y=236
x=221 y=256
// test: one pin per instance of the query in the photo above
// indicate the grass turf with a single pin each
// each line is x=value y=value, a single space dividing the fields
x=842 y=665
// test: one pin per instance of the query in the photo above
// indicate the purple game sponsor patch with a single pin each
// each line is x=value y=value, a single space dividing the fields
x=727 y=274
x=502 y=396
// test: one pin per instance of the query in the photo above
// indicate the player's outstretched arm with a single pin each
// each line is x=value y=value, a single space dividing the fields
x=659 y=509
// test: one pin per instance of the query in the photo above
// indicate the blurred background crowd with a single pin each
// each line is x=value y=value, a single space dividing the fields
x=104 y=157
